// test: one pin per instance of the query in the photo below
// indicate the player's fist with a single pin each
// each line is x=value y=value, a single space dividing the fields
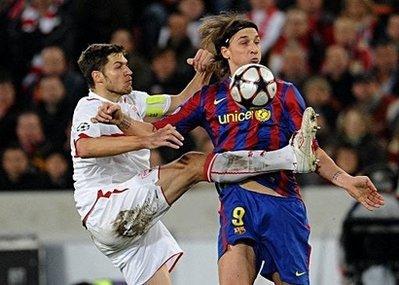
x=202 y=60
x=108 y=113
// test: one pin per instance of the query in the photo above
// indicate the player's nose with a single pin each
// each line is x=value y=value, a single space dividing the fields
x=254 y=49
x=128 y=71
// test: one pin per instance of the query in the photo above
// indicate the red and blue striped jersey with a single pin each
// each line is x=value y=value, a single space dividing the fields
x=233 y=128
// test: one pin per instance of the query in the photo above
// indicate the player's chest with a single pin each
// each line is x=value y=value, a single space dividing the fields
x=226 y=113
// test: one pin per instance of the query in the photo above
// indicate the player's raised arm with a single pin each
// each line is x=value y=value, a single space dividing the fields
x=201 y=62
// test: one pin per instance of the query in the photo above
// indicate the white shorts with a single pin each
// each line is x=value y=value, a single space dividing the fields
x=124 y=224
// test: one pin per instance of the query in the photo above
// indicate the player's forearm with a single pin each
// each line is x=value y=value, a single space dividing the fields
x=329 y=170
x=200 y=79
x=131 y=127
x=108 y=146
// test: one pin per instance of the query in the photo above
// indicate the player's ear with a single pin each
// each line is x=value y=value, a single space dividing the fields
x=225 y=52
x=98 y=76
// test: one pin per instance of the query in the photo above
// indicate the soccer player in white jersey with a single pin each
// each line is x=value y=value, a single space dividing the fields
x=118 y=196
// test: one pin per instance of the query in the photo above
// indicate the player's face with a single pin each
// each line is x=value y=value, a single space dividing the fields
x=117 y=75
x=244 y=48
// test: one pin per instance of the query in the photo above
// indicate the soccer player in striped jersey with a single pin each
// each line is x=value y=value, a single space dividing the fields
x=262 y=219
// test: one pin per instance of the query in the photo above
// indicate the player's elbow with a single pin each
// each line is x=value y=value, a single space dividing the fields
x=83 y=148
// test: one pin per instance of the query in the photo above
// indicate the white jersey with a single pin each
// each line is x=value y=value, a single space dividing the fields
x=92 y=174
x=118 y=197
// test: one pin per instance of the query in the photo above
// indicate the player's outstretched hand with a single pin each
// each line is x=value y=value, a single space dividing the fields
x=108 y=113
x=363 y=190
x=166 y=136
x=201 y=61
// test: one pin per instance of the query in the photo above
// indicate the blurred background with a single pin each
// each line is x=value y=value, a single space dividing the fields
x=342 y=55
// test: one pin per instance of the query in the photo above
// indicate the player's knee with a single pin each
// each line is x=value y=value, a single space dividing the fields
x=193 y=162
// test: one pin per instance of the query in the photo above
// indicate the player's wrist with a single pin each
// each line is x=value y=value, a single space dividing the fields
x=341 y=178
x=123 y=123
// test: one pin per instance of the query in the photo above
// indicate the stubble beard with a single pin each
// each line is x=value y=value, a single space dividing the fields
x=120 y=92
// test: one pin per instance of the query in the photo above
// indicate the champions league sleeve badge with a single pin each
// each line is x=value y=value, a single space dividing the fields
x=83 y=127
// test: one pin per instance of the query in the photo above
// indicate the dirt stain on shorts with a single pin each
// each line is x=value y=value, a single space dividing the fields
x=136 y=221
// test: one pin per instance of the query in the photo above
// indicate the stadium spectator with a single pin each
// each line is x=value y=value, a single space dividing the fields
x=353 y=126
x=31 y=137
x=295 y=68
x=320 y=20
x=8 y=111
x=270 y=20
x=336 y=71
x=52 y=61
x=164 y=72
x=392 y=29
x=58 y=172
x=370 y=100
x=347 y=157
x=137 y=62
x=35 y=24
x=96 y=23
x=54 y=108
x=297 y=31
x=154 y=17
x=362 y=13
x=318 y=94
x=385 y=68
x=345 y=35
x=175 y=36
x=193 y=10
x=17 y=173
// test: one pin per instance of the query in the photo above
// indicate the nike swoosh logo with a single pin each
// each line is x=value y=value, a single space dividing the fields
x=218 y=101
x=298 y=274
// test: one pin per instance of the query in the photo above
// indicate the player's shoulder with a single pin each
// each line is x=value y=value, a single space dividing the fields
x=135 y=97
x=87 y=103
x=212 y=89
x=283 y=84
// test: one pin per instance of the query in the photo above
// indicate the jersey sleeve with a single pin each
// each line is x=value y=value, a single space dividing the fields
x=295 y=105
x=153 y=106
x=82 y=126
x=186 y=117
x=139 y=98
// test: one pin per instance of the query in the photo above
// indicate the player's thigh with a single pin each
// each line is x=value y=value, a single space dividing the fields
x=161 y=277
x=178 y=176
x=127 y=212
x=237 y=265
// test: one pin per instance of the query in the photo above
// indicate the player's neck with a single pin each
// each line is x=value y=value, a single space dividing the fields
x=111 y=96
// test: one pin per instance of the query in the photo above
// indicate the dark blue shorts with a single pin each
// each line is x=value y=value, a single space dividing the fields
x=276 y=227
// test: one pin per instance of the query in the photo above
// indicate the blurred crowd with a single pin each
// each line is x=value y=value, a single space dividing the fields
x=342 y=56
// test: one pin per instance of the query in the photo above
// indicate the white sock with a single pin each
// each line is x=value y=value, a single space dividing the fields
x=233 y=166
